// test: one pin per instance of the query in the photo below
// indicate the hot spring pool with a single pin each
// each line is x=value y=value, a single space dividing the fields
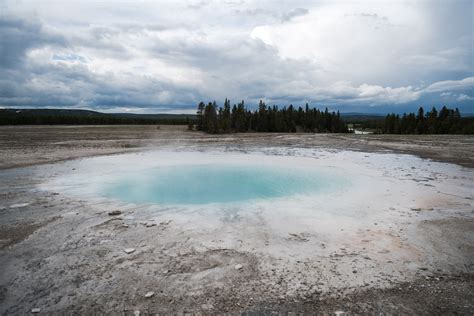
x=196 y=178
x=202 y=184
x=188 y=178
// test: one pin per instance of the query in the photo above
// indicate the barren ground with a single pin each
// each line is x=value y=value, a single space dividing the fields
x=65 y=255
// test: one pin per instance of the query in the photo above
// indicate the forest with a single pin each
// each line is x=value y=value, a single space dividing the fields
x=446 y=121
x=86 y=117
x=214 y=119
x=238 y=118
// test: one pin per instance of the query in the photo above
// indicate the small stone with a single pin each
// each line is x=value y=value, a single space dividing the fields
x=238 y=266
x=125 y=226
x=136 y=313
x=129 y=250
x=150 y=224
x=19 y=205
x=207 y=306
x=354 y=271
x=115 y=213
x=149 y=294
x=35 y=310
x=337 y=313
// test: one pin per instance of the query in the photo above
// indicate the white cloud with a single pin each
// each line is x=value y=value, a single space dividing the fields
x=451 y=85
x=464 y=97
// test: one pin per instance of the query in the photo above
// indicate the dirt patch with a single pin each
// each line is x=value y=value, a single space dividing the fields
x=10 y=235
x=439 y=294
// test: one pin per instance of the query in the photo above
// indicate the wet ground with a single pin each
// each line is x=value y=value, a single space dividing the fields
x=63 y=253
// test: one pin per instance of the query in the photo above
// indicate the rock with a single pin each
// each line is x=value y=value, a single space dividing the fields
x=150 y=224
x=299 y=237
x=124 y=225
x=19 y=205
x=238 y=266
x=115 y=213
x=129 y=250
x=416 y=209
x=207 y=306
x=339 y=313
x=35 y=310
x=136 y=313
x=149 y=294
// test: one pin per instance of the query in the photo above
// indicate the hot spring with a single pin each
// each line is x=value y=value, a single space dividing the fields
x=220 y=183
x=195 y=178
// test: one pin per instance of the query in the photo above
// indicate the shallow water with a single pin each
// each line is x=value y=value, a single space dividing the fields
x=202 y=184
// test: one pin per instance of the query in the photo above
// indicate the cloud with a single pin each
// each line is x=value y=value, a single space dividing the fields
x=294 y=13
x=17 y=36
x=464 y=97
x=451 y=85
x=108 y=56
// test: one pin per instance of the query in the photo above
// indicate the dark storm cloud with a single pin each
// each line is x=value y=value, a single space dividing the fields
x=17 y=36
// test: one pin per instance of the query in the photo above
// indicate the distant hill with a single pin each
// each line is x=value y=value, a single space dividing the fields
x=85 y=117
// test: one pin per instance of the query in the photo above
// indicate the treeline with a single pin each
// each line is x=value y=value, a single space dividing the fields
x=82 y=117
x=214 y=119
x=447 y=121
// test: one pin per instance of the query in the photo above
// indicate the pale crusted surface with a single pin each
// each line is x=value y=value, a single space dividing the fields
x=66 y=254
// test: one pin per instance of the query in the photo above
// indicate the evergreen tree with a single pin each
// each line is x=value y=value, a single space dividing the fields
x=200 y=112
x=448 y=121
x=267 y=119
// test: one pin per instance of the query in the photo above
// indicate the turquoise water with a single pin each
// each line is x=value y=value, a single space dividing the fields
x=202 y=184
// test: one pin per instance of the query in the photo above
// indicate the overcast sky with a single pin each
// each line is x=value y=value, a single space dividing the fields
x=166 y=56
